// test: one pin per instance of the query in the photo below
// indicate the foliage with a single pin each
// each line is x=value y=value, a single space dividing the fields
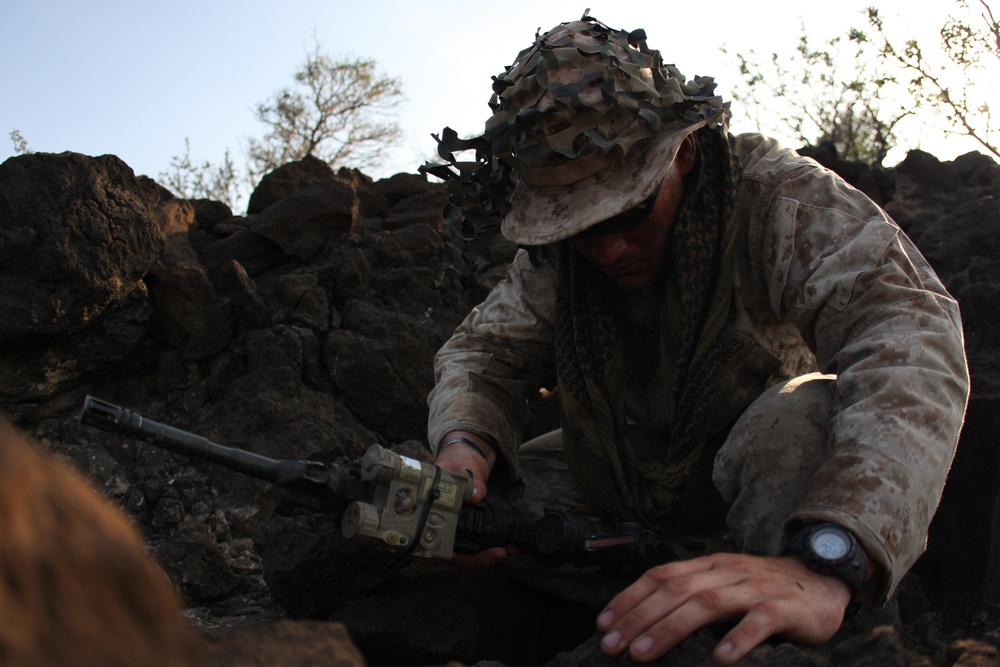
x=220 y=182
x=810 y=95
x=862 y=110
x=971 y=46
x=20 y=143
x=336 y=112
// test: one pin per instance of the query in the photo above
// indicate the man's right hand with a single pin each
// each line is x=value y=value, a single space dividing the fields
x=459 y=457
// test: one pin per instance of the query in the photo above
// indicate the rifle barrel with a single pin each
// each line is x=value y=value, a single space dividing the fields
x=116 y=419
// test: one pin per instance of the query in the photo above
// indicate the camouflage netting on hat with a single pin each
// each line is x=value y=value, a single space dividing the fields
x=573 y=103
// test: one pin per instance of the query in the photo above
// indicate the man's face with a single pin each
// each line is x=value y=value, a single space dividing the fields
x=633 y=257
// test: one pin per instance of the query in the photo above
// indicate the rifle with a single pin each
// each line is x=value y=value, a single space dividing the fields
x=405 y=504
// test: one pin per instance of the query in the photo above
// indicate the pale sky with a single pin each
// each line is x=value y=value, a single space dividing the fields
x=136 y=78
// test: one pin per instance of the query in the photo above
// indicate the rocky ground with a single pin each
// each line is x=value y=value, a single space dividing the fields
x=305 y=329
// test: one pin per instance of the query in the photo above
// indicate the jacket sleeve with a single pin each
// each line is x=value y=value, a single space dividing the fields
x=497 y=359
x=878 y=317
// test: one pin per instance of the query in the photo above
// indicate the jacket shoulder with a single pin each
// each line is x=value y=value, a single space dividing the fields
x=764 y=157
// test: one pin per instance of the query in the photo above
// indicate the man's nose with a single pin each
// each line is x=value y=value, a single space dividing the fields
x=605 y=249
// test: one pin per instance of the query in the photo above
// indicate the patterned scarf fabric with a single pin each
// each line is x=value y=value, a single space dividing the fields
x=590 y=354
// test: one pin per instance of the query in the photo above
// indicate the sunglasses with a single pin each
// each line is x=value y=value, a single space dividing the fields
x=624 y=221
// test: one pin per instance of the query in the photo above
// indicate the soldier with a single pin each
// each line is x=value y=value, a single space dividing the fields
x=751 y=358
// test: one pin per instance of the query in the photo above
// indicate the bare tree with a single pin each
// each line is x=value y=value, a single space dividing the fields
x=971 y=45
x=812 y=94
x=337 y=111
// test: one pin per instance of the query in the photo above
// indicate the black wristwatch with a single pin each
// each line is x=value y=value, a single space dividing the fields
x=827 y=548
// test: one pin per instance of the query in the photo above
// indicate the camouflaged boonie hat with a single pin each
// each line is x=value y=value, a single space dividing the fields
x=589 y=120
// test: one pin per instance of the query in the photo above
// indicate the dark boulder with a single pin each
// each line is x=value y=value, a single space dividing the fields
x=289 y=179
x=76 y=240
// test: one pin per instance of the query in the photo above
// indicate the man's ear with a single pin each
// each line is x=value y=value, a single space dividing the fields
x=687 y=153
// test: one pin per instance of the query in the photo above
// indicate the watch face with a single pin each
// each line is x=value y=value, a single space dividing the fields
x=830 y=543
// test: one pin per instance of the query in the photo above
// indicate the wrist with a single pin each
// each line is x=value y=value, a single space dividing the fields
x=471 y=442
x=832 y=591
x=833 y=551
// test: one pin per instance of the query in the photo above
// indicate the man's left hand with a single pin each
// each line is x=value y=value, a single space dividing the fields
x=770 y=596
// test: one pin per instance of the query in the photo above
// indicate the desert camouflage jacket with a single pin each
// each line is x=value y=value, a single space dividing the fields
x=824 y=281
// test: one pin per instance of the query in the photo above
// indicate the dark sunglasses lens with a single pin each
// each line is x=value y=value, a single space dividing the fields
x=624 y=221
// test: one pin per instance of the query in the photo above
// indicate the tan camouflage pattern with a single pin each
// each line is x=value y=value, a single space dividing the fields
x=824 y=281
x=585 y=109
x=599 y=90
x=760 y=478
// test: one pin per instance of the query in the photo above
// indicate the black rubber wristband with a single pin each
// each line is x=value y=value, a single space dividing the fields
x=465 y=441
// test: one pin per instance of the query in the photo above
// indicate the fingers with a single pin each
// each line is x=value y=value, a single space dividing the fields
x=670 y=603
x=760 y=623
x=654 y=579
x=464 y=459
x=804 y=620
x=480 y=560
x=769 y=595
x=483 y=559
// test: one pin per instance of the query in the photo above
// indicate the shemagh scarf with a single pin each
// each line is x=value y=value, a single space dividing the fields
x=590 y=355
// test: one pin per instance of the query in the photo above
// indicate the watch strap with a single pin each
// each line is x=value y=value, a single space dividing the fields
x=851 y=568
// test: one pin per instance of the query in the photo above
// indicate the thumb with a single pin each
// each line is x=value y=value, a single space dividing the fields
x=476 y=491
